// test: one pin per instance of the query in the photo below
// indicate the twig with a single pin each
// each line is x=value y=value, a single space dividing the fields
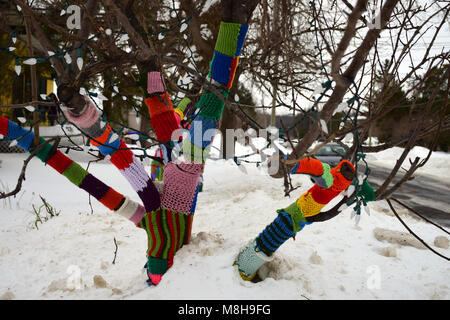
x=22 y=173
x=115 y=252
x=427 y=220
x=410 y=231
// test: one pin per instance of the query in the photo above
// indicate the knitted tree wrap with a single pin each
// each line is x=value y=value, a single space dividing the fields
x=15 y=132
x=184 y=103
x=210 y=105
x=155 y=82
x=180 y=186
x=131 y=210
x=202 y=131
x=340 y=183
x=123 y=159
x=164 y=124
x=278 y=232
x=367 y=192
x=157 y=266
x=158 y=104
x=250 y=260
x=87 y=118
x=194 y=153
x=292 y=219
x=296 y=215
x=68 y=168
x=167 y=231
x=231 y=38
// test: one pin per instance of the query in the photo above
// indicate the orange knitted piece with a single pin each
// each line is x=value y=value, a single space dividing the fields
x=339 y=182
x=103 y=138
x=310 y=166
x=158 y=104
x=111 y=199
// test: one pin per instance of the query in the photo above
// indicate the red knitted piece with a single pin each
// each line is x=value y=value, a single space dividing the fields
x=123 y=157
x=322 y=196
x=164 y=124
x=3 y=126
x=310 y=166
x=59 y=162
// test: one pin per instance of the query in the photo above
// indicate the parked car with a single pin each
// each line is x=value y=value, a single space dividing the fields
x=331 y=153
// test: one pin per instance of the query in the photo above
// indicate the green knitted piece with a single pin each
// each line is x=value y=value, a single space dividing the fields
x=44 y=151
x=193 y=152
x=367 y=192
x=227 y=38
x=327 y=176
x=183 y=104
x=296 y=215
x=157 y=265
x=210 y=105
x=75 y=173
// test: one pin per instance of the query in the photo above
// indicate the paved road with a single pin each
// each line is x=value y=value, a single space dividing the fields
x=428 y=196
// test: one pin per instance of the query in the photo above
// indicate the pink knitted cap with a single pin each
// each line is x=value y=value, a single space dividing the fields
x=180 y=186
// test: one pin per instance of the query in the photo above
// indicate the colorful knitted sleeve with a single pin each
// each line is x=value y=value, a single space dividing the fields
x=110 y=144
x=163 y=117
x=292 y=219
x=328 y=185
x=229 y=43
x=319 y=172
x=106 y=195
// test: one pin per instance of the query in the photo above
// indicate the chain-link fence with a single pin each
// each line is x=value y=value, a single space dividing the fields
x=5 y=148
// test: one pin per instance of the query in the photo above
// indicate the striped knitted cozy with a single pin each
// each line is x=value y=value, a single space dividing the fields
x=163 y=117
x=290 y=220
x=106 y=195
x=167 y=231
x=109 y=144
x=229 y=43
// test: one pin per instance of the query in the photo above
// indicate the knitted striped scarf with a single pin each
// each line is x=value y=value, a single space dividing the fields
x=290 y=220
x=70 y=169
x=109 y=144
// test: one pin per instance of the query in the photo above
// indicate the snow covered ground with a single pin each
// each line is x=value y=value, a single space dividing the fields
x=70 y=256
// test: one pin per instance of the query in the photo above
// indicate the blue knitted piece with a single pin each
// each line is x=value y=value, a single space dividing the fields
x=221 y=67
x=24 y=137
x=109 y=148
x=194 y=203
x=241 y=39
x=197 y=131
x=277 y=233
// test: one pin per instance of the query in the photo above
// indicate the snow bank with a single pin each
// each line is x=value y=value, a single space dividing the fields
x=70 y=256
x=437 y=165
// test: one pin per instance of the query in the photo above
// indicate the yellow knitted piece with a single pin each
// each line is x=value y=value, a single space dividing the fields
x=180 y=113
x=308 y=206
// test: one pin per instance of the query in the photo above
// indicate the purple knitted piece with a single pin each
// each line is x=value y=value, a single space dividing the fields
x=94 y=187
x=85 y=119
x=136 y=175
x=154 y=82
x=150 y=197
